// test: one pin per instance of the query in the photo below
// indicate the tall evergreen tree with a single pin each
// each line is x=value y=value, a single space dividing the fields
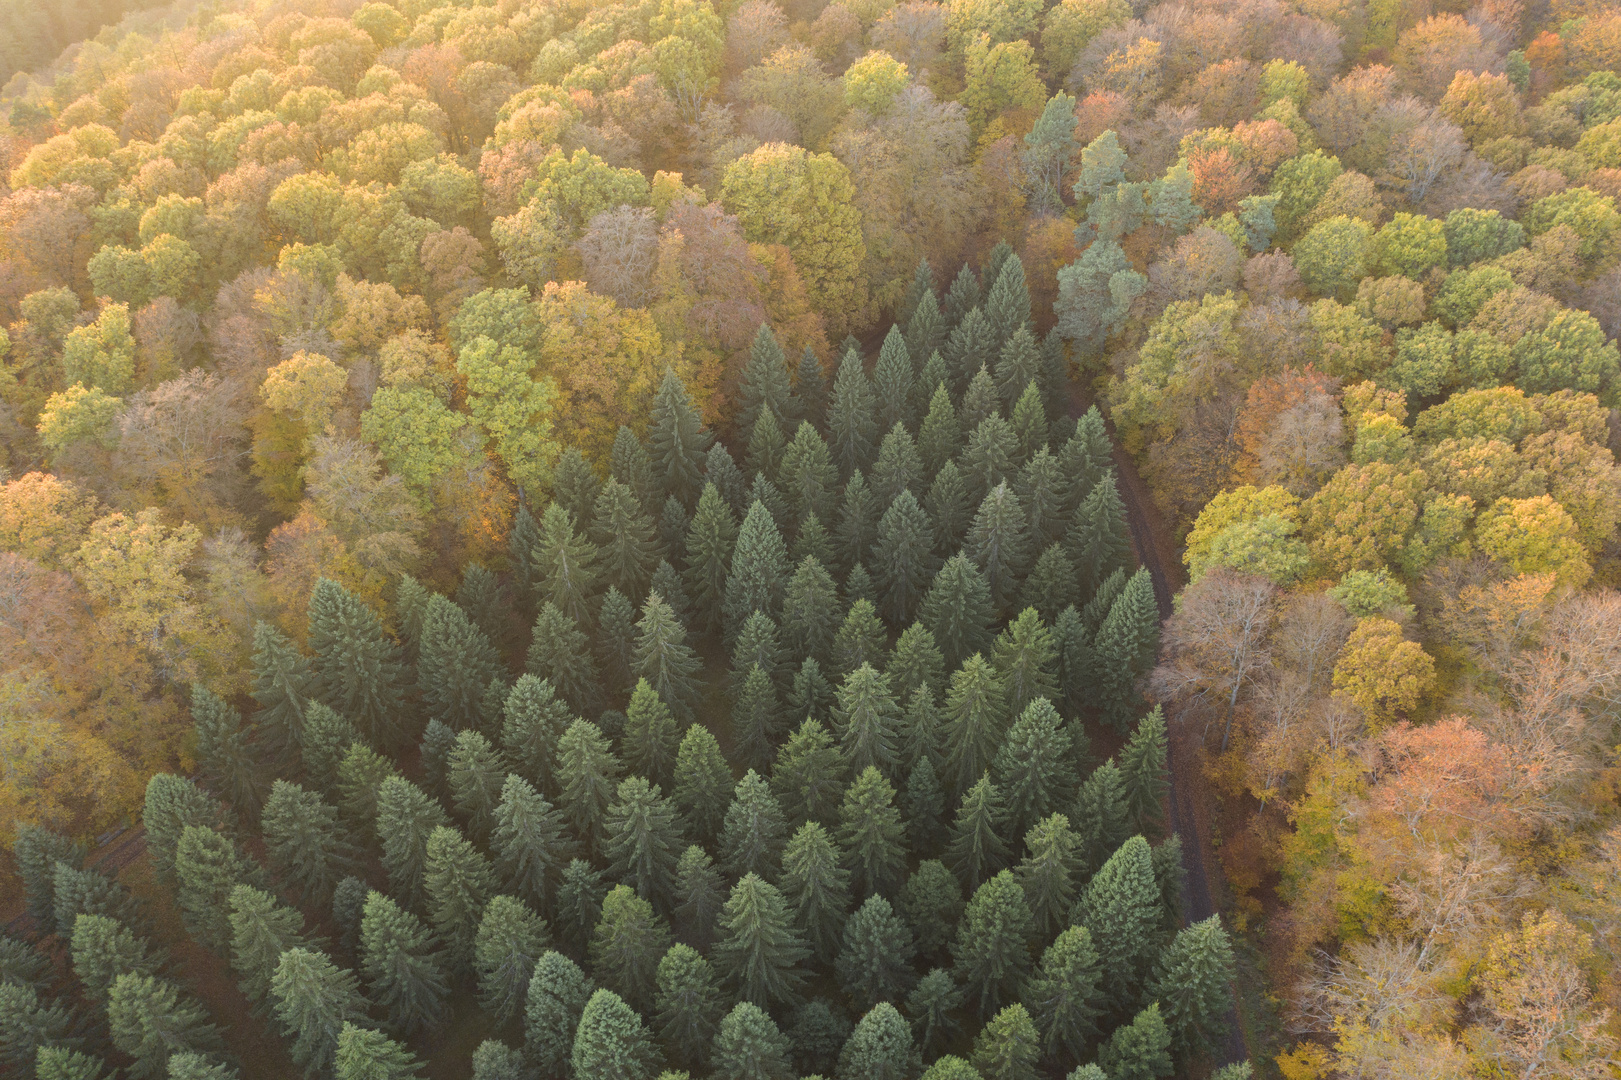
x=932 y=903
x=962 y=297
x=589 y=771
x=817 y=888
x=1125 y=648
x=766 y=445
x=282 y=683
x=664 y=658
x=556 y=997
x=1008 y=1047
x=226 y=757
x=1048 y=872
x=852 y=416
x=510 y=939
x=925 y=803
x=757 y=645
x=528 y=842
x=102 y=949
x=28 y=1025
x=1026 y=660
x=616 y=641
x=1030 y=427
x=642 y=840
x=365 y=1054
x=703 y=782
x=751 y=840
x=1121 y=905
x=358 y=670
x=932 y=374
x=759 y=947
x=475 y=775
x=925 y=328
x=1050 y=586
x=992 y=948
x=1066 y=994
x=534 y=719
x=360 y=774
x=1018 y=366
x=875 y=961
x=991 y=454
x=764 y=383
x=905 y=557
x=922 y=282
x=749 y=1046
x=314 y=999
x=810 y=612
x=813 y=541
x=969 y=347
x=630 y=465
x=1139 y=1050
x=404 y=974
x=880 y=1047
x=916 y=662
x=722 y=471
x=207 y=865
x=406 y=817
x=808 y=775
x=940 y=438
x=348 y=909
x=759 y=570
x=700 y=895
x=1099 y=541
x=677 y=440
x=627 y=944
x=1105 y=821
x=756 y=719
x=976 y=718
x=565 y=564
x=494 y=1060
x=865 y=720
x=623 y=534
x=459 y=882
x=977 y=851
x=806 y=475
x=688 y=1005
x=931 y=1006
x=709 y=543
x=61 y=1063
x=892 y=382
x=810 y=387
x=1191 y=983
x=999 y=544
x=1087 y=456
x=1035 y=768
x=811 y=695
x=857 y=525
x=949 y=510
x=575 y=486
x=1143 y=769
x=958 y=611
x=261 y=930
x=1042 y=488
x=521 y=541
x=172 y=803
x=1073 y=644
x=89 y=892
x=437 y=740
x=151 y=1019
x=612 y=1042
x=899 y=466
x=479 y=595
x=650 y=741
x=303 y=841
x=560 y=653
x=328 y=734
x=872 y=834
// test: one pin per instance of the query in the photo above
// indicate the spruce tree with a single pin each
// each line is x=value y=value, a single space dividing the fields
x=806 y=475
x=1122 y=911
x=557 y=995
x=977 y=851
x=1087 y=456
x=406 y=816
x=759 y=570
x=818 y=1032
x=358 y=670
x=958 y=611
x=915 y=662
x=991 y=456
x=304 y=843
x=757 y=645
x=764 y=383
x=642 y=840
x=364 y=1054
x=589 y=771
x=976 y=718
x=875 y=960
x=207 y=865
x=314 y=999
x=1066 y=994
x=756 y=719
x=1050 y=585
x=933 y=373
x=932 y=903
x=475 y=775
x=663 y=657
x=949 y=510
x=623 y=535
x=709 y=543
x=533 y=721
x=700 y=895
x=1018 y=366
x=752 y=837
x=1191 y=983
x=1099 y=541
x=722 y=471
x=1042 y=488
x=980 y=403
x=899 y=466
x=78 y=892
x=404 y=973
x=962 y=297
x=410 y=607
x=892 y=382
x=360 y=774
x=575 y=486
x=703 y=782
x=611 y=1042
x=880 y=1047
x=627 y=944
x=261 y=930
x=749 y=1046
x=650 y=741
x=227 y=759
x=688 y=1005
x=759 y=947
x=1169 y=875
x=328 y=734
x=905 y=557
x=528 y=842
x=677 y=440
x=630 y=465
x=817 y=888
x=1025 y=658
x=810 y=612
x=1139 y=1050
x=479 y=595
x=61 y=1063
x=999 y=544
x=282 y=684
x=616 y=642
x=28 y=1025
x=925 y=804
x=857 y=525
x=852 y=419
x=1105 y=821
x=102 y=949
x=565 y=564
x=1048 y=872
x=459 y=882
x=922 y=283
x=813 y=541
x=1035 y=768
x=560 y=654
x=172 y=803
x=1144 y=772
x=150 y=1019
x=766 y=445
x=1008 y=1047
x=348 y=909
x=931 y=1006
x=1030 y=429
x=810 y=387
x=1073 y=644
x=811 y=695
x=494 y=1060
x=872 y=834
x=940 y=437
x=925 y=328
x=992 y=947
x=1125 y=648
x=808 y=775
x=437 y=740
x=969 y=347
x=865 y=720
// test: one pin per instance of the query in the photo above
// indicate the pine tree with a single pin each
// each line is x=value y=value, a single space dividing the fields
x=29 y=1025
x=958 y=611
x=852 y=419
x=925 y=805
x=560 y=654
x=759 y=947
x=623 y=535
x=650 y=735
x=1143 y=769
x=756 y=645
x=1191 y=984
x=703 y=782
x=759 y=570
x=677 y=440
x=811 y=695
x=1042 y=487
x=328 y=734
x=865 y=720
x=406 y=816
x=1034 y=768
x=905 y=557
x=459 y=882
x=1066 y=994
x=1008 y=1047
x=748 y=1046
x=976 y=718
x=575 y=487
x=1105 y=820
x=616 y=641
x=314 y=999
x=980 y=402
x=528 y=842
x=303 y=841
x=872 y=834
x=949 y=511
x=813 y=541
x=358 y=670
x=764 y=383
x=857 y=526
x=172 y=803
x=360 y=774
x=688 y=1005
x=1125 y=648
x=991 y=455
x=933 y=373
x=766 y=445
x=630 y=465
x=1026 y=660
x=102 y=949
x=404 y=974
x=476 y=772
x=806 y=475
x=817 y=888
x=700 y=895
x=1030 y=427
x=880 y=1048
x=709 y=543
x=556 y=997
x=589 y=772
x=916 y=662
x=977 y=851
x=892 y=382
x=207 y=865
x=940 y=437
x=78 y=892
x=899 y=466
x=663 y=657
x=1139 y=1050
x=642 y=840
x=810 y=612
x=810 y=387
x=364 y=1054
x=1050 y=585
x=1048 y=872
x=931 y=1004
x=261 y=930
x=1018 y=366
x=565 y=564
x=808 y=776
x=437 y=740
x=999 y=544
x=751 y=840
x=875 y=961
x=925 y=328
x=282 y=684
x=969 y=347
x=1099 y=541
x=932 y=903
x=722 y=471
x=150 y=1018
x=963 y=296
x=626 y=946
x=61 y=1063
x=756 y=719
x=228 y=761
x=992 y=948
x=1122 y=909
x=494 y=1060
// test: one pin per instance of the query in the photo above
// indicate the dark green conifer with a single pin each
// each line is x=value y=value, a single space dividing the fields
x=642 y=840
x=565 y=564
x=757 y=719
x=915 y=662
x=925 y=328
x=360 y=774
x=759 y=947
x=306 y=847
x=932 y=903
x=810 y=387
x=328 y=734
x=404 y=974
x=1050 y=586
x=806 y=475
x=872 y=834
x=722 y=471
x=207 y=865
x=623 y=534
x=852 y=419
x=1066 y=994
x=1042 y=488
x=1099 y=542
x=261 y=930
x=767 y=443
x=764 y=384
x=1125 y=648
x=709 y=543
x=875 y=960
x=437 y=740
x=892 y=382
x=1122 y=910
x=314 y=998
x=811 y=695
x=925 y=803
x=612 y=1043
x=61 y=1063
x=977 y=851
x=664 y=658
x=752 y=837
x=905 y=557
x=922 y=283
x=631 y=466
x=1169 y=875
x=980 y=402
x=560 y=653
x=650 y=741
x=1008 y=1047
x=1097 y=608
x=958 y=611
x=1192 y=981
x=1035 y=767
x=899 y=466
x=880 y=1047
x=29 y=1025
x=759 y=570
x=677 y=441
x=857 y=525
x=475 y=775
x=813 y=541
x=949 y=511
x=459 y=881
x=533 y=721
x=76 y=891
x=990 y=457
x=102 y=949
x=1073 y=645
x=808 y=776
x=976 y=718
x=962 y=297
x=818 y=1033
x=575 y=487
x=579 y=904
x=931 y=1006
x=1144 y=772
x=557 y=994
x=1025 y=658
x=494 y=1060
x=282 y=684
x=1105 y=820
x=810 y=612
x=816 y=887
x=861 y=639
x=999 y=544
x=1018 y=366
x=748 y=1046
x=348 y=907
x=626 y=946
x=406 y=817
x=933 y=374
x=670 y=532
x=365 y=1054
x=865 y=720
x=1139 y=1050
x=1030 y=430
x=700 y=893
x=616 y=641
x=969 y=347
x=358 y=670
x=151 y=1019
x=703 y=782
x=688 y=1005
x=226 y=757
x=1048 y=872
x=172 y=803
x=992 y=950
x=757 y=645
x=528 y=842
x=479 y=595
x=588 y=771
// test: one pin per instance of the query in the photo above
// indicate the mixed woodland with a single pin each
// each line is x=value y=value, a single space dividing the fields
x=685 y=538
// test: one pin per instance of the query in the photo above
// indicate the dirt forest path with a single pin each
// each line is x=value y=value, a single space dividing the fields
x=1151 y=540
